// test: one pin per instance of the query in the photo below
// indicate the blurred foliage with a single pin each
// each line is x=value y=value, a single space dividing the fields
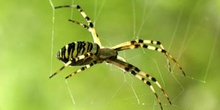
x=189 y=29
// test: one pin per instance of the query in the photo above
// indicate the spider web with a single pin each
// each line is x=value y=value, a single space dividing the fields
x=118 y=90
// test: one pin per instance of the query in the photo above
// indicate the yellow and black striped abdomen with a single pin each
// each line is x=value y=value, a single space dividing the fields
x=74 y=49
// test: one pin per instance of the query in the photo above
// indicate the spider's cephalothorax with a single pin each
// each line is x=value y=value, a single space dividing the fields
x=87 y=54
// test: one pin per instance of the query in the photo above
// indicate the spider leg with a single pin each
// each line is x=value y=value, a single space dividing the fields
x=82 y=69
x=80 y=57
x=90 y=27
x=64 y=66
x=141 y=76
x=80 y=24
x=144 y=44
x=154 y=42
x=87 y=55
x=137 y=41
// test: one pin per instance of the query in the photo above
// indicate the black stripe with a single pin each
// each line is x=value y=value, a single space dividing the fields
x=91 y=25
x=83 y=47
x=133 y=72
x=158 y=43
x=87 y=18
x=70 y=47
x=151 y=41
x=153 y=79
x=164 y=51
x=133 y=42
x=145 y=45
x=136 y=69
x=79 y=8
x=89 y=47
x=78 y=48
x=140 y=41
x=148 y=83
x=128 y=67
x=63 y=50
x=83 y=68
x=137 y=45
x=92 y=64
x=147 y=75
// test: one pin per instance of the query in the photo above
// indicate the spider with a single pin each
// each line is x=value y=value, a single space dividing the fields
x=87 y=54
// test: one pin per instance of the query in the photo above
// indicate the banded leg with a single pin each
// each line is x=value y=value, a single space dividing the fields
x=64 y=66
x=82 y=69
x=154 y=42
x=137 y=41
x=90 y=27
x=80 y=24
x=144 y=44
x=141 y=76
x=87 y=55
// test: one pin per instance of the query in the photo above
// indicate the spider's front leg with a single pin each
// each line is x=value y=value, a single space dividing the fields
x=139 y=43
x=90 y=27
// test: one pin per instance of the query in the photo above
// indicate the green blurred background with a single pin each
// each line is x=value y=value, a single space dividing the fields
x=188 y=29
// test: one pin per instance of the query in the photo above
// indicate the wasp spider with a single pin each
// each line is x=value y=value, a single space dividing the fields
x=87 y=54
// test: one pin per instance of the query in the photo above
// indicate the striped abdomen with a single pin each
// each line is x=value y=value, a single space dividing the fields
x=74 y=49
